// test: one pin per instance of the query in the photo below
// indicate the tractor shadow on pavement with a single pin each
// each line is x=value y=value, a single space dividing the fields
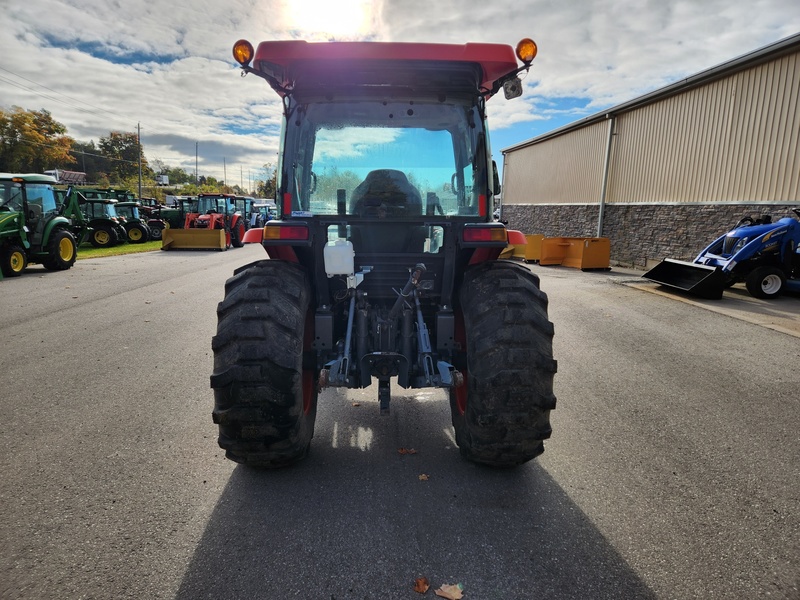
x=357 y=520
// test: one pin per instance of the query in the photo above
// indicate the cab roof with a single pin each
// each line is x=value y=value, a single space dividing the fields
x=282 y=60
x=29 y=177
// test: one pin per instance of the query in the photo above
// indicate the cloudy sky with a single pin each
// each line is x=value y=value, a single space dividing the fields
x=101 y=66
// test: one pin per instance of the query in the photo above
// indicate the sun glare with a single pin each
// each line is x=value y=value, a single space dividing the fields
x=327 y=19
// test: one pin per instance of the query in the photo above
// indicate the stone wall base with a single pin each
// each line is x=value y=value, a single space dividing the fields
x=641 y=234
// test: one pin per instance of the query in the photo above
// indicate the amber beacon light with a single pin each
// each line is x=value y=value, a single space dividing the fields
x=526 y=50
x=243 y=52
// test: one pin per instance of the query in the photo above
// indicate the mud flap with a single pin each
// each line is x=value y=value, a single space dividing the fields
x=699 y=280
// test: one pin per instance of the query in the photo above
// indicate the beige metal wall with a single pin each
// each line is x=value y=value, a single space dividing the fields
x=565 y=169
x=735 y=139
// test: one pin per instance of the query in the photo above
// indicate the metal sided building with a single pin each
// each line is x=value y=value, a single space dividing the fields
x=666 y=173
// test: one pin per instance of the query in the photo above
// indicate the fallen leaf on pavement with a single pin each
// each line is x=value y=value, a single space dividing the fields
x=451 y=592
x=406 y=451
x=423 y=477
x=356 y=404
x=421 y=585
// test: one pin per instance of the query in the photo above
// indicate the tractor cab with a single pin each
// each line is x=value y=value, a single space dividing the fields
x=212 y=211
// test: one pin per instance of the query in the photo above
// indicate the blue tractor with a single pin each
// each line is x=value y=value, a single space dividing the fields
x=763 y=254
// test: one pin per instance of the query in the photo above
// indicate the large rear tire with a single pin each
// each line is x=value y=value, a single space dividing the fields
x=138 y=233
x=265 y=377
x=156 y=230
x=103 y=236
x=501 y=414
x=62 y=251
x=237 y=234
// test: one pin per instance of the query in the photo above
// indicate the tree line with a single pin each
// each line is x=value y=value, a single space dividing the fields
x=32 y=141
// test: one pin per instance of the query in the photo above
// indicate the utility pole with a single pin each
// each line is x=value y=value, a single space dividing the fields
x=139 y=143
x=196 y=178
x=224 y=172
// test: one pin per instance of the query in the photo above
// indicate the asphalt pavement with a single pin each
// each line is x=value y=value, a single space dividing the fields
x=673 y=470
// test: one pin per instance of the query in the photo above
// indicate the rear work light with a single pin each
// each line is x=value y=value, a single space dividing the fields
x=286 y=233
x=485 y=234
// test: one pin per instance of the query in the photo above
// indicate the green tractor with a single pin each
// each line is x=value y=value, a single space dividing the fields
x=174 y=215
x=95 y=209
x=136 y=227
x=33 y=228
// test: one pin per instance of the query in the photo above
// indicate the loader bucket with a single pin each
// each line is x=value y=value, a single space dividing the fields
x=193 y=239
x=699 y=280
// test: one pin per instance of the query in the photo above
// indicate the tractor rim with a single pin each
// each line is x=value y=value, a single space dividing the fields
x=135 y=234
x=771 y=284
x=17 y=261
x=65 y=250
x=101 y=237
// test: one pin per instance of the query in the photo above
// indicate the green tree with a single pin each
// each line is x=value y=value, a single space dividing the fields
x=177 y=175
x=32 y=141
x=122 y=151
x=335 y=180
x=89 y=160
x=267 y=188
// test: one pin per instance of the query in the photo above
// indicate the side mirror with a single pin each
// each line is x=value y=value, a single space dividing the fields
x=496 y=178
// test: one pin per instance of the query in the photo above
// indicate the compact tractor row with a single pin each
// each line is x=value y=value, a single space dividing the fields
x=115 y=217
x=41 y=223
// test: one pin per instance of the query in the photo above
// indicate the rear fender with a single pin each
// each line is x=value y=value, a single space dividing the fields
x=253 y=236
x=256 y=236
x=56 y=223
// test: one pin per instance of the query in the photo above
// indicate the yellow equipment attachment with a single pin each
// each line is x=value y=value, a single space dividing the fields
x=193 y=239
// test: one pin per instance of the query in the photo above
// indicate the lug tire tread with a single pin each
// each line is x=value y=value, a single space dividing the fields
x=510 y=366
x=258 y=366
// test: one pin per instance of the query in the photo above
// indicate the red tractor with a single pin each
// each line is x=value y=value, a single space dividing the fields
x=383 y=262
x=218 y=211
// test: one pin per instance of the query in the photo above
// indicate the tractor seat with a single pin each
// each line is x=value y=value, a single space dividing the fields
x=385 y=195
x=34 y=212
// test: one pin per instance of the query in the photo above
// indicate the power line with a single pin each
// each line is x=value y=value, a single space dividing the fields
x=71 y=151
x=55 y=92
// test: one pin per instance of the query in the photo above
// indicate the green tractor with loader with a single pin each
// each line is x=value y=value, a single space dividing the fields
x=383 y=262
x=33 y=228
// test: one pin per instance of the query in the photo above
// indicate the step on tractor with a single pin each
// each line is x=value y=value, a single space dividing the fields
x=382 y=264
x=33 y=228
x=762 y=253
x=212 y=223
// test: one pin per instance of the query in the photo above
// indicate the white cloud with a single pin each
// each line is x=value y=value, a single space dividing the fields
x=168 y=66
